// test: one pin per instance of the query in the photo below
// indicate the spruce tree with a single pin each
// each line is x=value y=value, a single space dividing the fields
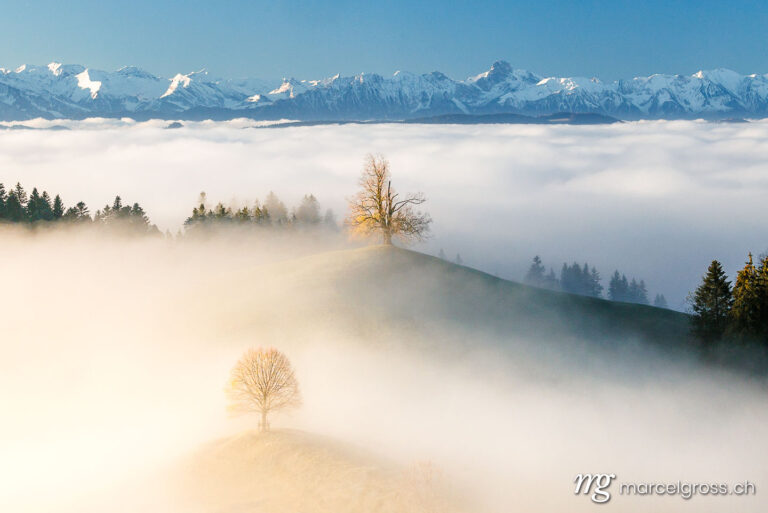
x=21 y=195
x=744 y=312
x=550 y=281
x=34 y=210
x=595 y=289
x=45 y=206
x=613 y=286
x=642 y=293
x=78 y=213
x=660 y=301
x=711 y=304
x=14 y=209
x=308 y=212
x=138 y=217
x=58 y=208
x=762 y=300
x=633 y=293
x=535 y=275
x=3 y=198
x=618 y=288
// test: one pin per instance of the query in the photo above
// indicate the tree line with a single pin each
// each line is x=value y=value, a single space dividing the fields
x=585 y=281
x=36 y=209
x=271 y=213
x=18 y=207
x=376 y=211
x=737 y=313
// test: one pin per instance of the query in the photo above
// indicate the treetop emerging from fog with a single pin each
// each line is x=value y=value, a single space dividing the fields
x=377 y=209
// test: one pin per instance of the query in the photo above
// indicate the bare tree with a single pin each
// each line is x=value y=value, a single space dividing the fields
x=263 y=381
x=377 y=208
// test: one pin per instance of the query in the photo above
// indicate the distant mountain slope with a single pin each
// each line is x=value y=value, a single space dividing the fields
x=74 y=91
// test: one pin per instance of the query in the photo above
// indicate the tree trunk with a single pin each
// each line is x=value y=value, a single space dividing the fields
x=387 y=237
x=264 y=426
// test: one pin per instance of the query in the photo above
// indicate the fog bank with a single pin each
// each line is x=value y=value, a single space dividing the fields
x=116 y=351
x=657 y=200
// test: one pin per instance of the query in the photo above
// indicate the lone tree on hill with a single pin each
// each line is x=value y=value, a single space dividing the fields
x=377 y=208
x=262 y=381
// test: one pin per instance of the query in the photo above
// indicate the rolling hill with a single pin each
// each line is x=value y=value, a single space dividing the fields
x=432 y=303
x=292 y=470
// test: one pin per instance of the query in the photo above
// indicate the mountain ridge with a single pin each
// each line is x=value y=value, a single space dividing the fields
x=58 y=91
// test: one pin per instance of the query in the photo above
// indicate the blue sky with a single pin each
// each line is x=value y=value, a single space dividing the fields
x=310 y=39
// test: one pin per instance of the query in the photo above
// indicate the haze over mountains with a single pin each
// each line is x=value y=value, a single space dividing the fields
x=60 y=91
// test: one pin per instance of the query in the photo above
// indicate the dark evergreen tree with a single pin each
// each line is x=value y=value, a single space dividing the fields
x=762 y=300
x=642 y=293
x=45 y=207
x=79 y=213
x=551 y=282
x=15 y=210
x=3 y=198
x=58 y=208
x=34 y=207
x=711 y=304
x=595 y=288
x=637 y=292
x=577 y=279
x=21 y=195
x=660 y=301
x=130 y=218
x=138 y=218
x=570 y=278
x=616 y=288
x=535 y=275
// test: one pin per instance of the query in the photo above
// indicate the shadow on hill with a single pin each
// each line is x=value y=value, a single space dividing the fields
x=433 y=304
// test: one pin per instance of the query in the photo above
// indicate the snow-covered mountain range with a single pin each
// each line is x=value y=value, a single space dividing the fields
x=74 y=91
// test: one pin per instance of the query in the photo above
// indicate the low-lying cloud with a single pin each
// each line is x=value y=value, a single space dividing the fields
x=657 y=200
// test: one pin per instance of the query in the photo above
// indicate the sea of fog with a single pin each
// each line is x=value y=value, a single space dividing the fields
x=116 y=352
x=656 y=200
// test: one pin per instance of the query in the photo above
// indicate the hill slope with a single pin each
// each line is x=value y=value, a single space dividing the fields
x=432 y=303
x=297 y=471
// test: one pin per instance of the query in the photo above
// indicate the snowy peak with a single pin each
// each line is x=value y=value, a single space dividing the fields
x=502 y=74
x=65 y=90
x=55 y=68
x=84 y=82
x=290 y=88
x=182 y=81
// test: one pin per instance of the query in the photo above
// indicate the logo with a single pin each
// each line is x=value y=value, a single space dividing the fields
x=596 y=484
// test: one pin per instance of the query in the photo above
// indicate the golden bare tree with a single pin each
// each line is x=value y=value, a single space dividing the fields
x=377 y=208
x=263 y=381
